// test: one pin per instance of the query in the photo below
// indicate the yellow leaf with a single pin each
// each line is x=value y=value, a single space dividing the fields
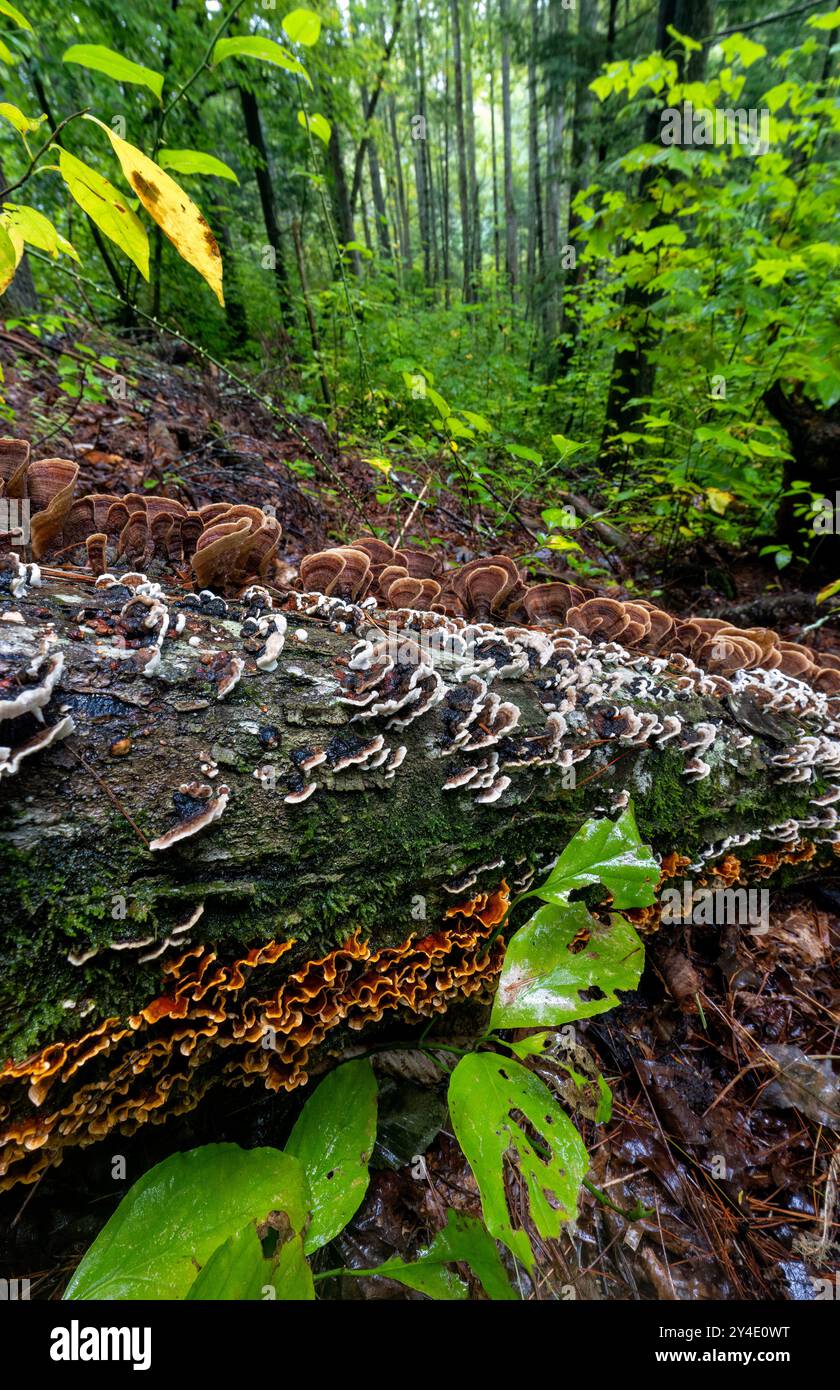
x=168 y=205
x=384 y=465
x=29 y=225
x=107 y=208
x=718 y=500
x=829 y=591
x=9 y=257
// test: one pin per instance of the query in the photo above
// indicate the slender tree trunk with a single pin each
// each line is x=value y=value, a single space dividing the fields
x=383 y=234
x=475 y=208
x=419 y=135
x=511 y=233
x=310 y=314
x=402 y=201
x=491 y=68
x=535 y=222
x=265 y=186
x=464 y=201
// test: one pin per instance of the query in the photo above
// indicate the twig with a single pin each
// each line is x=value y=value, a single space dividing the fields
x=34 y=160
x=112 y=797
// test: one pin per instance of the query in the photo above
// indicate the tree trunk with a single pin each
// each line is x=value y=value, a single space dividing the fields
x=511 y=235
x=633 y=372
x=402 y=202
x=383 y=234
x=491 y=65
x=265 y=187
x=535 y=223
x=463 y=168
x=128 y=927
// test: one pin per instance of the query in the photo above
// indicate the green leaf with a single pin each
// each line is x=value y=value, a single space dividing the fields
x=14 y=14
x=742 y=48
x=239 y=1270
x=195 y=162
x=107 y=208
x=333 y=1139
x=6 y=55
x=485 y=1091
x=542 y=978
x=32 y=227
x=438 y=402
x=171 y=208
x=319 y=125
x=265 y=50
x=302 y=26
x=831 y=20
x=463 y=1240
x=607 y=852
x=97 y=58
x=8 y=259
x=178 y=1213
x=14 y=115
x=478 y=421
x=520 y=451
x=566 y=446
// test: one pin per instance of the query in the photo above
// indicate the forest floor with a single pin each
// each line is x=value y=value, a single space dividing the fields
x=725 y=1110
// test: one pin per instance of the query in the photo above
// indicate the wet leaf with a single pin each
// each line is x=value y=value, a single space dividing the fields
x=195 y=162
x=23 y=124
x=488 y=1098
x=107 y=208
x=170 y=207
x=607 y=852
x=238 y=1270
x=8 y=260
x=97 y=58
x=182 y=1210
x=542 y=980
x=319 y=125
x=32 y=227
x=265 y=50
x=333 y=1139
x=302 y=26
x=463 y=1240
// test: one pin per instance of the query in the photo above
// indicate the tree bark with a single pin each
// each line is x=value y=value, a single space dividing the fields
x=268 y=203
x=467 y=290
x=78 y=816
x=511 y=234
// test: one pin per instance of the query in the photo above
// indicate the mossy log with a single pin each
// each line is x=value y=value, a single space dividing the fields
x=161 y=751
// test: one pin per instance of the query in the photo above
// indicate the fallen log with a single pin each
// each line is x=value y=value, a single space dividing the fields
x=231 y=828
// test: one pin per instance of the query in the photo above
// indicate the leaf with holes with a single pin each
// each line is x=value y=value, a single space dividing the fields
x=168 y=205
x=180 y=1212
x=333 y=1138
x=239 y=1270
x=491 y=1098
x=543 y=980
x=607 y=852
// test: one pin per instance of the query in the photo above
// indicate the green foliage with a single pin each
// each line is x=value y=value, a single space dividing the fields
x=333 y=1140
x=486 y=1093
x=180 y=1212
x=223 y=1223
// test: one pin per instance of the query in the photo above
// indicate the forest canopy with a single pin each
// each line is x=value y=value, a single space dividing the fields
x=498 y=246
